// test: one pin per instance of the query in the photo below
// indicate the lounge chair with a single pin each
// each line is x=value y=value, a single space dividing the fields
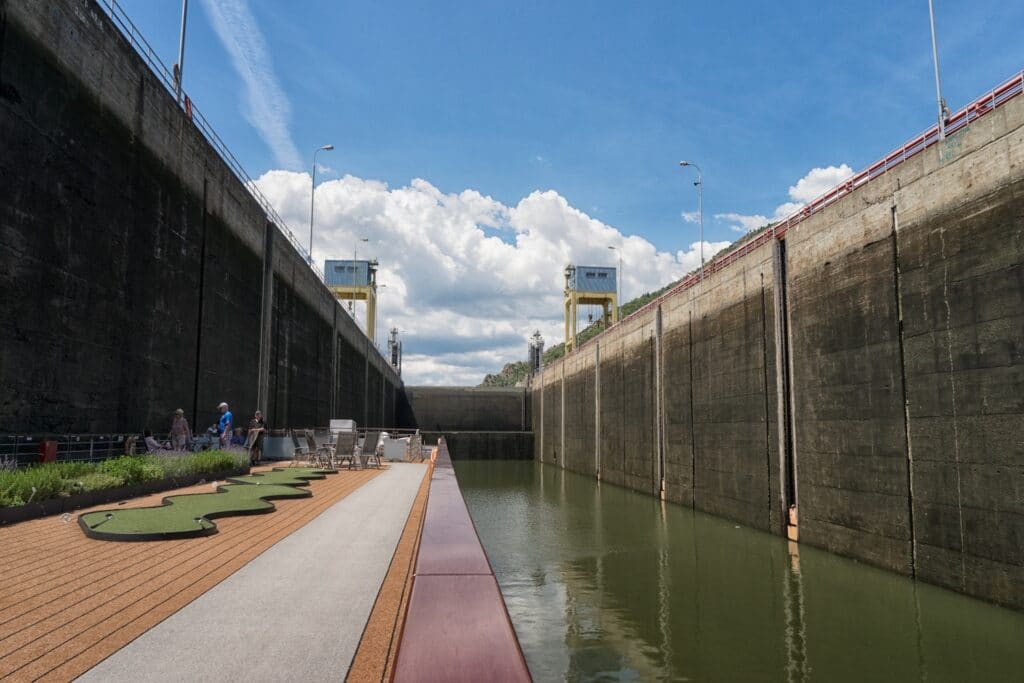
x=345 y=444
x=370 y=451
x=322 y=454
x=302 y=452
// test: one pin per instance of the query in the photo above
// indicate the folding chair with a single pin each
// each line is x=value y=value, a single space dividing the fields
x=301 y=451
x=371 y=449
x=321 y=455
x=345 y=444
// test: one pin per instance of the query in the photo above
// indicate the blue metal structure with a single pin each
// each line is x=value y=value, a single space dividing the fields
x=592 y=279
x=348 y=273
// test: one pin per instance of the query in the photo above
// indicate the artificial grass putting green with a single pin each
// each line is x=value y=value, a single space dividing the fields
x=190 y=515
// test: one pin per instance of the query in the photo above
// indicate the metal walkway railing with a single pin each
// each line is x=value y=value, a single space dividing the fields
x=149 y=55
x=978 y=108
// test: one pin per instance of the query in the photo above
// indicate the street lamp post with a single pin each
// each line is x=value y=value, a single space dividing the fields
x=179 y=67
x=355 y=257
x=699 y=183
x=312 y=197
x=938 y=87
x=376 y=336
x=618 y=283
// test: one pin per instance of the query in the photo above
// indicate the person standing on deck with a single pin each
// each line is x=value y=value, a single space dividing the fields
x=224 y=425
x=181 y=434
x=257 y=427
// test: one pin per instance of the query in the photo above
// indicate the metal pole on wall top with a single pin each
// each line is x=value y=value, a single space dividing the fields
x=618 y=284
x=700 y=208
x=355 y=258
x=312 y=197
x=179 y=67
x=938 y=86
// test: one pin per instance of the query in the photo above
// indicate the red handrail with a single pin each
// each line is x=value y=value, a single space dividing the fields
x=989 y=102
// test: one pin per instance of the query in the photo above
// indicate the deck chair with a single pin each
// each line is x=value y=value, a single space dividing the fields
x=345 y=444
x=321 y=455
x=301 y=451
x=325 y=445
x=371 y=450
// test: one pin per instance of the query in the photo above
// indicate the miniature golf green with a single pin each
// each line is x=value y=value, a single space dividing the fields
x=190 y=515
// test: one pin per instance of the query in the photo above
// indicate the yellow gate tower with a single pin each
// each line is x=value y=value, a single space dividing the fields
x=354 y=281
x=588 y=286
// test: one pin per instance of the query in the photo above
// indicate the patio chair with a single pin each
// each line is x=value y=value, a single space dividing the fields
x=321 y=455
x=345 y=444
x=325 y=447
x=302 y=453
x=370 y=451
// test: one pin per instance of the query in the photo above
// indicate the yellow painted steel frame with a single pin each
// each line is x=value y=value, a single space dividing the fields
x=360 y=293
x=608 y=302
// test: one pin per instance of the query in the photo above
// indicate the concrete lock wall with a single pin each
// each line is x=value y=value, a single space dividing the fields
x=137 y=273
x=464 y=445
x=866 y=367
x=480 y=409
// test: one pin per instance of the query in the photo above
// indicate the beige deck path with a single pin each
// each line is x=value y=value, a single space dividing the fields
x=69 y=601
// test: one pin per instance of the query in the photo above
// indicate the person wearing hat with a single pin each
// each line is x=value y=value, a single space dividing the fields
x=224 y=425
x=257 y=427
x=181 y=434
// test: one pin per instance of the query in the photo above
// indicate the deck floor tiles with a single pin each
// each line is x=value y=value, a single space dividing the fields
x=296 y=612
x=69 y=601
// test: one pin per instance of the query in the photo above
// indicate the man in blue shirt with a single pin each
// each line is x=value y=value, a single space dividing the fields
x=224 y=425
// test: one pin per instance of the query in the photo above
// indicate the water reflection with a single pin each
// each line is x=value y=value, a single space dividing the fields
x=603 y=584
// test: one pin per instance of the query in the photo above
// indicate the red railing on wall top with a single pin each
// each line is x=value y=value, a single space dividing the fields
x=985 y=104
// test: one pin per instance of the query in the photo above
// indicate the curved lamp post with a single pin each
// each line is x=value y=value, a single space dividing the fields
x=618 y=283
x=312 y=197
x=699 y=183
x=355 y=257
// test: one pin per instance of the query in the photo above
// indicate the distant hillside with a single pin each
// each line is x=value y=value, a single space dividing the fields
x=509 y=376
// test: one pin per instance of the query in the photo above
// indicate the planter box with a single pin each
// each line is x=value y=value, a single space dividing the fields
x=21 y=513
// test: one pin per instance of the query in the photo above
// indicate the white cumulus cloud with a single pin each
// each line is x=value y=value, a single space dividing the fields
x=267 y=108
x=468 y=278
x=743 y=223
x=817 y=182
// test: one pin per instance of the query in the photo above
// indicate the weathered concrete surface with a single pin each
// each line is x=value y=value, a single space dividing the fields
x=490 y=409
x=580 y=455
x=138 y=274
x=874 y=358
x=731 y=424
x=485 y=445
x=679 y=435
x=612 y=442
x=552 y=445
x=850 y=436
x=962 y=293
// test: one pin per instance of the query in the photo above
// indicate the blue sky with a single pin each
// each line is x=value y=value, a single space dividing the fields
x=595 y=101
x=599 y=100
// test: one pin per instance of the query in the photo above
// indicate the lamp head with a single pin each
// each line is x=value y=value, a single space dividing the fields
x=684 y=163
x=327 y=148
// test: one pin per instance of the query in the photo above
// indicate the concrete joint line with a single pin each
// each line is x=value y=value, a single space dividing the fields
x=597 y=409
x=903 y=387
x=953 y=400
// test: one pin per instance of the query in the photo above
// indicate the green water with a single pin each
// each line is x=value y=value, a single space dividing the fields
x=604 y=584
